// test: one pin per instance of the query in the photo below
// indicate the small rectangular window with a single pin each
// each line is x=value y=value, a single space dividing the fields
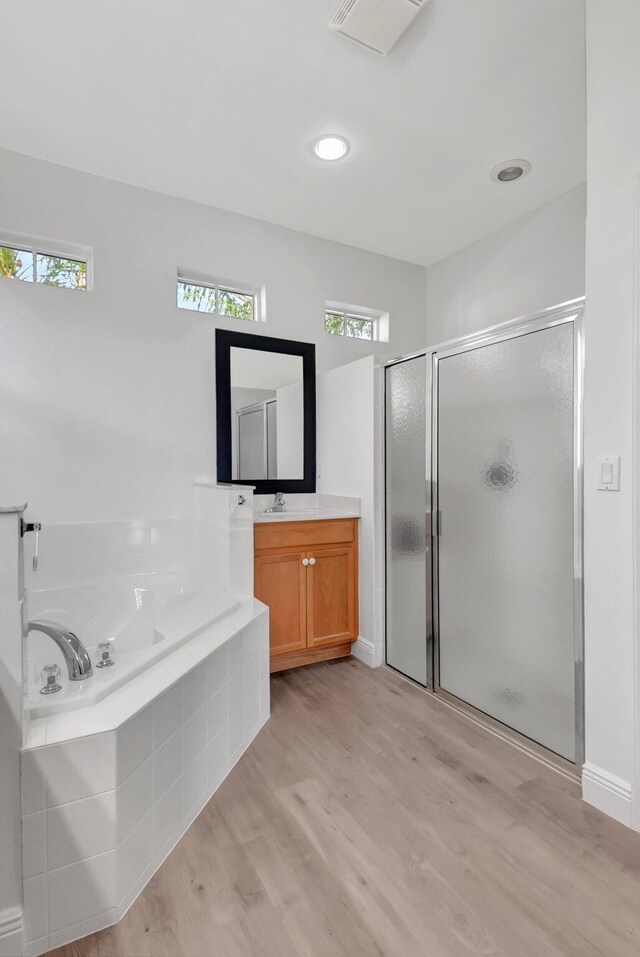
x=356 y=322
x=346 y=324
x=31 y=264
x=217 y=299
x=359 y=328
x=56 y=271
x=240 y=305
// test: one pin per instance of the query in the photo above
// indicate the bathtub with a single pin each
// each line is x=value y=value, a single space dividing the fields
x=145 y=617
x=110 y=786
x=116 y=767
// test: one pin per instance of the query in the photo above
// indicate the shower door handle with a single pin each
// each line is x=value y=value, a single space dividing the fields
x=436 y=524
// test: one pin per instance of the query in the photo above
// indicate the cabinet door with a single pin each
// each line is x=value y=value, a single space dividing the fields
x=331 y=596
x=281 y=583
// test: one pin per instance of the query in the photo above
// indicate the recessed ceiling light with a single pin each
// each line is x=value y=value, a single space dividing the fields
x=510 y=170
x=331 y=147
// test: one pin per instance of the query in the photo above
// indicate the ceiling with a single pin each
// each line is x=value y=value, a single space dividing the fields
x=218 y=100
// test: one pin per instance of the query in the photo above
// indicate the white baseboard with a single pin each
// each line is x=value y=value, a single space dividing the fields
x=607 y=792
x=11 y=932
x=364 y=650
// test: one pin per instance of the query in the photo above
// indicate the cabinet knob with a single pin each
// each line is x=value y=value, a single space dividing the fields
x=305 y=561
x=312 y=561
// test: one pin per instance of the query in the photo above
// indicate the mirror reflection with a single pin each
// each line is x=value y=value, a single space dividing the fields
x=267 y=411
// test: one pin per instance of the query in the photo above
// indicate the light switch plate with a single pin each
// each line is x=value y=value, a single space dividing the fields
x=609 y=473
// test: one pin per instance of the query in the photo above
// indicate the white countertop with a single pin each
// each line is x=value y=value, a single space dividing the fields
x=311 y=507
x=303 y=515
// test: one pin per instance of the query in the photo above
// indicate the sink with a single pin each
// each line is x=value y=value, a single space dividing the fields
x=293 y=514
x=300 y=515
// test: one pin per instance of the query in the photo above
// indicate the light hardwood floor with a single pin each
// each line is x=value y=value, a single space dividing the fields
x=369 y=819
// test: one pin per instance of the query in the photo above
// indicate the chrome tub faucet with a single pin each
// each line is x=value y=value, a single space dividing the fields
x=74 y=652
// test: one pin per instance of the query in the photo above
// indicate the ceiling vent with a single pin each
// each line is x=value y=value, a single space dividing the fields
x=375 y=24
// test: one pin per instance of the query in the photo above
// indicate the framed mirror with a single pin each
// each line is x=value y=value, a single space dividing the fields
x=266 y=412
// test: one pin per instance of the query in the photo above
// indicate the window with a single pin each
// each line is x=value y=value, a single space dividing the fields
x=217 y=299
x=240 y=305
x=35 y=265
x=346 y=324
x=356 y=322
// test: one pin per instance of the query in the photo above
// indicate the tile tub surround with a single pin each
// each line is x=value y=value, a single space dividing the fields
x=213 y=547
x=223 y=516
x=102 y=810
x=213 y=540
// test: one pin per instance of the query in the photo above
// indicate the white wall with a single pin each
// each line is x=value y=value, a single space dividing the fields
x=108 y=397
x=613 y=161
x=534 y=262
x=349 y=451
x=240 y=398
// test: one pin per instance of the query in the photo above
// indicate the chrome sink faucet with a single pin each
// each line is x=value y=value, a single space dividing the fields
x=74 y=652
x=279 y=504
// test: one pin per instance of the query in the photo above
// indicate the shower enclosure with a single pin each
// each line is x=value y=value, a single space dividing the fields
x=256 y=441
x=484 y=525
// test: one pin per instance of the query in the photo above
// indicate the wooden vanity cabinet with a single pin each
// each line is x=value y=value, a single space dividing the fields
x=307 y=573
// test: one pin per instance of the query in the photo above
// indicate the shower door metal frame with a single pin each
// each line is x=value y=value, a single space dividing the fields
x=555 y=316
x=249 y=409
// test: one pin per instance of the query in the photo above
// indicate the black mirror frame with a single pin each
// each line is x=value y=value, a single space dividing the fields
x=225 y=341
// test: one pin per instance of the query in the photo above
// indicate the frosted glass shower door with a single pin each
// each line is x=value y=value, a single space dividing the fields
x=407 y=605
x=505 y=474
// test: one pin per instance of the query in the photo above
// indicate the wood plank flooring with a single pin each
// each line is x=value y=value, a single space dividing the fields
x=369 y=820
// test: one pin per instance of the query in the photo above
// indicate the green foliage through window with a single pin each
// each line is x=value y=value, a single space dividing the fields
x=216 y=299
x=50 y=270
x=236 y=304
x=198 y=298
x=16 y=264
x=344 y=324
x=359 y=328
x=334 y=323
x=56 y=271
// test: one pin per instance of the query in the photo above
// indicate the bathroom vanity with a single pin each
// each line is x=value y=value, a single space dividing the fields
x=306 y=571
x=306 y=557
